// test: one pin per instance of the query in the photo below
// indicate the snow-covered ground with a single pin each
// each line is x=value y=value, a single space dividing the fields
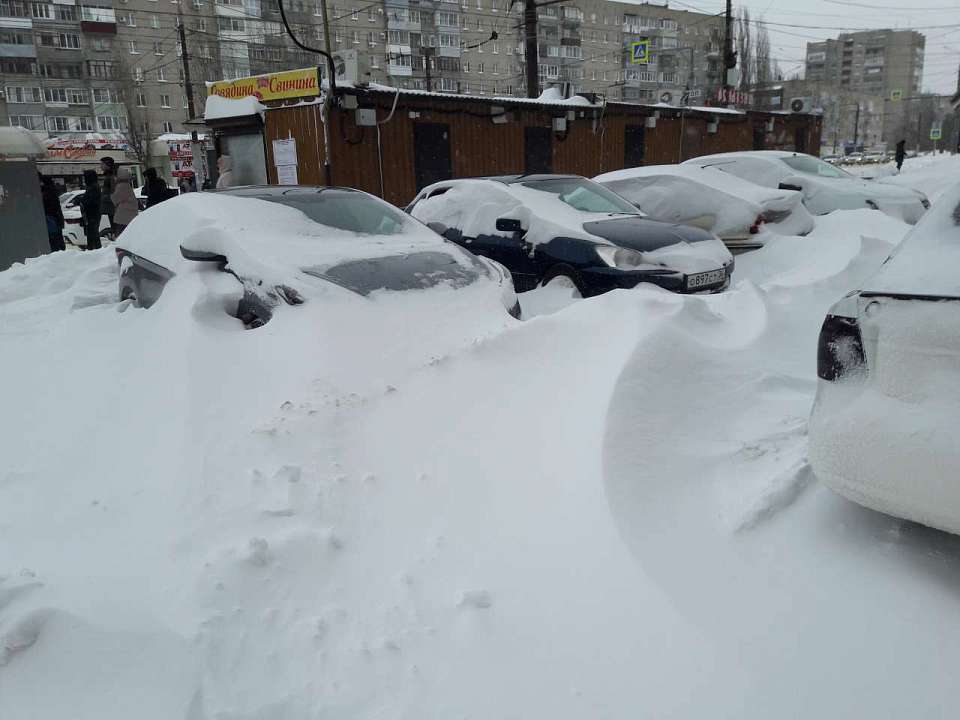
x=416 y=507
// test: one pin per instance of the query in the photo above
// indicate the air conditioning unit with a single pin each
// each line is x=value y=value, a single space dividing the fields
x=801 y=104
x=352 y=67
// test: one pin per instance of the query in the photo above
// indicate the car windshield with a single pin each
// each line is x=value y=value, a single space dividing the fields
x=809 y=165
x=583 y=195
x=341 y=209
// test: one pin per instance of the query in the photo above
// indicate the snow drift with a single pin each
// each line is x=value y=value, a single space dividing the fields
x=414 y=506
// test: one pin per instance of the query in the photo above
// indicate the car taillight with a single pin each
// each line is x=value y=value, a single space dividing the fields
x=755 y=228
x=840 y=348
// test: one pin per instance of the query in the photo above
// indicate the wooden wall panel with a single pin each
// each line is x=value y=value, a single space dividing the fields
x=478 y=146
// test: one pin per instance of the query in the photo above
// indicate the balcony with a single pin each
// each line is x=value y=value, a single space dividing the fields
x=571 y=16
x=98 y=20
x=13 y=50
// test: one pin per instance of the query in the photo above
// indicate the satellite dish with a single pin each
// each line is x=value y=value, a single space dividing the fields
x=666 y=97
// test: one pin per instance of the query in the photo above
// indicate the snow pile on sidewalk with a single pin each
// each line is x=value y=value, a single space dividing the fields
x=414 y=506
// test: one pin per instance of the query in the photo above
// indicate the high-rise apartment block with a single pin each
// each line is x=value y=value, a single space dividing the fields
x=885 y=63
x=116 y=66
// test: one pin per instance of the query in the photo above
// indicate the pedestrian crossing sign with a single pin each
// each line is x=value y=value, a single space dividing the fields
x=639 y=51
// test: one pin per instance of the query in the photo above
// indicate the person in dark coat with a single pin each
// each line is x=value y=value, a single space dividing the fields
x=901 y=153
x=90 y=204
x=156 y=187
x=53 y=213
x=109 y=168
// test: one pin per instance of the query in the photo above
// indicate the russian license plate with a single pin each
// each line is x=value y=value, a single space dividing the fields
x=714 y=277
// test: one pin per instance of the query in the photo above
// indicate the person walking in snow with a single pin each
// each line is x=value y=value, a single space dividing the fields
x=156 y=188
x=53 y=213
x=901 y=153
x=106 y=192
x=124 y=202
x=225 y=166
x=90 y=204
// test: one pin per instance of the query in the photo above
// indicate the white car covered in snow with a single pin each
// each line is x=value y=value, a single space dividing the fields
x=735 y=210
x=288 y=243
x=884 y=426
x=570 y=231
x=825 y=187
x=73 y=231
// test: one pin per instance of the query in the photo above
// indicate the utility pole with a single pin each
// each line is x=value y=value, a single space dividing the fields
x=195 y=149
x=326 y=26
x=530 y=50
x=856 y=127
x=428 y=53
x=729 y=56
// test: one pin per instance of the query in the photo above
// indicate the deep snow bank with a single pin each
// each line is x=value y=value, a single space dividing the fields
x=414 y=506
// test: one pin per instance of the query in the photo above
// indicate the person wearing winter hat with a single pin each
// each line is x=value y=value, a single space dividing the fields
x=90 y=204
x=225 y=166
x=109 y=168
x=124 y=201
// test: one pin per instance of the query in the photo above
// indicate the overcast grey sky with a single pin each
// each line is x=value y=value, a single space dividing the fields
x=938 y=20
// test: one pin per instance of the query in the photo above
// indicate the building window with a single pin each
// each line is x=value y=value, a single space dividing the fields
x=58 y=124
x=167 y=126
x=13 y=8
x=131 y=20
x=480 y=68
x=375 y=61
x=55 y=96
x=132 y=44
x=101 y=69
x=161 y=75
x=76 y=96
x=138 y=74
x=164 y=101
x=24 y=94
x=108 y=122
x=371 y=15
x=30 y=122
x=158 y=48
x=356 y=37
x=447 y=19
x=141 y=99
x=42 y=11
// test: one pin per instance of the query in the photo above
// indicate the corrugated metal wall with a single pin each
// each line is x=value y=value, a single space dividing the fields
x=479 y=146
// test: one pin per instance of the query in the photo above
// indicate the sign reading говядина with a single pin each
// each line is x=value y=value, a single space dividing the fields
x=274 y=86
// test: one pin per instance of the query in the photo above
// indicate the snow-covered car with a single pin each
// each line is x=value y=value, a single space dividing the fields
x=825 y=187
x=733 y=209
x=73 y=231
x=571 y=231
x=281 y=243
x=883 y=431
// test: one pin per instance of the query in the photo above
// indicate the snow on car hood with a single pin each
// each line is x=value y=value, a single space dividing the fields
x=262 y=239
x=927 y=261
x=679 y=247
x=709 y=198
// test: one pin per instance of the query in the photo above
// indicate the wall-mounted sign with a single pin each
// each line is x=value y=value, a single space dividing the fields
x=640 y=52
x=896 y=95
x=273 y=86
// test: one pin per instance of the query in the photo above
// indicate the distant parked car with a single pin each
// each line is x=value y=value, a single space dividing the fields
x=733 y=209
x=832 y=159
x=825 y=187
x=73 y=231
x=569 y=230
x=883 y=431
x=273 y=239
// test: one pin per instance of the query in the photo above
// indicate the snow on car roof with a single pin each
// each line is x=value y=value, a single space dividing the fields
x=720 y=181
x=261 y=238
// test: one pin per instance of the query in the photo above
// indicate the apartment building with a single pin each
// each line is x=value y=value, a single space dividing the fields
x=887 y=63
x=116 y=66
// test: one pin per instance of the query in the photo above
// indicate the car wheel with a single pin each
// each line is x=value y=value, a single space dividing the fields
x=565 y=279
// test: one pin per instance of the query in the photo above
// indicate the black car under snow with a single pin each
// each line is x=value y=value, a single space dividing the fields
x=569 y=230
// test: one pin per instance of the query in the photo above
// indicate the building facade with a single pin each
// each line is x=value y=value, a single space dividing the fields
x=884 y=63
x=116 y=67
x=850 y=118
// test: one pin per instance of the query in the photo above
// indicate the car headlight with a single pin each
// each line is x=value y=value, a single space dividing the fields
x=621 y=258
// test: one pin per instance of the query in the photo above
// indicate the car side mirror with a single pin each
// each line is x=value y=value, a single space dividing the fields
x=202 y=255
x=790 y=186
x=509 y=225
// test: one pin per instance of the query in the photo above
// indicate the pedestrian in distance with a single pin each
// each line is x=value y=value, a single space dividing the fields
x=901 y=153
x=225 y=167
x=53 y=213
x=156 y=187
x=90 y=204
x=124 y=202
x=107 y=207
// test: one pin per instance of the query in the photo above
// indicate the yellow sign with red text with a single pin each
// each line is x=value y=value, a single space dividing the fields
x=274 y=86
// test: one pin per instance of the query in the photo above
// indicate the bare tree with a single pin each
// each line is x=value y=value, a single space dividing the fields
x=764 y=71
x=137 y=129
x=745 y=49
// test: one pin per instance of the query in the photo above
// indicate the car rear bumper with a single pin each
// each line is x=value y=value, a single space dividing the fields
x=884 y=453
